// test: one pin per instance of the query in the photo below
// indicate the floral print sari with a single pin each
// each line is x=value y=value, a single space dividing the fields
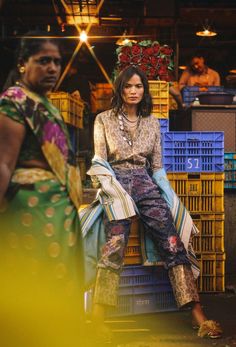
x=39 y=215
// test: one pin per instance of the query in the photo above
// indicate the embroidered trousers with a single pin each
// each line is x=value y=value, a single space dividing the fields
x=158 y=224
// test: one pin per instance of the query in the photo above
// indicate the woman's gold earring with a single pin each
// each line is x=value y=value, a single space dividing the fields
x=22 y=69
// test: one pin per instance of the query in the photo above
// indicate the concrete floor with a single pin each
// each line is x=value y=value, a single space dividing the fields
x=174 y=329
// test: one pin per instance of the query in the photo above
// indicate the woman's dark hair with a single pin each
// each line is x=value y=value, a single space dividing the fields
x=31 y=45
x=145 y=106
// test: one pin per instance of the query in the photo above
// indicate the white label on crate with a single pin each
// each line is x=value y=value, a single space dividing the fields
x=143 y=302
x=193 y=163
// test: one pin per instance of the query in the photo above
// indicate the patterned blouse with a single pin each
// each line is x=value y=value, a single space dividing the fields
x=34 y=111
x=46 y=136
x=110 y=145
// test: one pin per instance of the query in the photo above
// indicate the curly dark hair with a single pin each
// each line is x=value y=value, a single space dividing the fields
x=145 y=106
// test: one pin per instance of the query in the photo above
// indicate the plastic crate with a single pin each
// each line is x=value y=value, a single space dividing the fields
x=140 y=303
x=143 y=289
x=193 y=151
x=133 y=250
x=189 y=93
x=160 y=110
x=164 y=125
x=211 y=236
x=133 y=255
x=159 y=91
x=212 y=276
x=230 y=90
x=101 y=96
x=71 y=109
x=144 y=275
x=199 y=192
x=230 y=170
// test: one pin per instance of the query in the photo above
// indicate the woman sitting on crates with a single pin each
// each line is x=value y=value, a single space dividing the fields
x=128 y=168
x=40 y=189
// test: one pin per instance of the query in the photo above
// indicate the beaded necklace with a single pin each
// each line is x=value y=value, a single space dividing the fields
x=125 y=124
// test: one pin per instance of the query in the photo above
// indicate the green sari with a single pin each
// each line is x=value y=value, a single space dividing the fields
x=40 y=236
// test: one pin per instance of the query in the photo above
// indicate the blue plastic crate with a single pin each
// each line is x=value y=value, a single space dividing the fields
x=164 y=125
x=189 y=93
x=144 y=302
x=143 y=289
x=193 y=151
x=144 y=275
x=230 y=90
x=230 y=170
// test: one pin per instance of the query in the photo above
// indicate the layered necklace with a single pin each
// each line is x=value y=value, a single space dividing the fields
x=128 y=127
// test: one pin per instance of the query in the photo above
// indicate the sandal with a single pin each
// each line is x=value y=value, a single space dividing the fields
x=210 y=329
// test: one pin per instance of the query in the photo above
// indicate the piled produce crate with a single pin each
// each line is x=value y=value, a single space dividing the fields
x=159 y=91
x=194 y=162
x=101 y=95
x=71 y=108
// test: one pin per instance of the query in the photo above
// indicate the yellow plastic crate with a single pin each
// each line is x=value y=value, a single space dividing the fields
x=103 y=90
x=133 y=255
x=160 y=111
x=71 y=109
x=133 y=251
x=101 y=96
x=199 y=192
x=159 y=91
x=212 y=277
x=211 y=236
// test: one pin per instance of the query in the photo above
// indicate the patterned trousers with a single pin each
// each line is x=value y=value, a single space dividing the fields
x=158 y=224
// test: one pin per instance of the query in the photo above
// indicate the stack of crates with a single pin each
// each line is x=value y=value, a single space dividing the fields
x=71 y=108
x=159 y=91
x=230 y=170
x=194 y=162
x=143 y=289
x=101 y=95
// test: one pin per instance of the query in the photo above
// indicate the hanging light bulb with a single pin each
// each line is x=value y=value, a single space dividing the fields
x=123 y=40
x=182 y=67
x=83 y=36
x=207 y=31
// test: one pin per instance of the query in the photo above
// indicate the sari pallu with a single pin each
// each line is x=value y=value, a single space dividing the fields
x=41 y=294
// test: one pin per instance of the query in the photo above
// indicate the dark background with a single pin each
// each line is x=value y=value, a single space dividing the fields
x=168 y=21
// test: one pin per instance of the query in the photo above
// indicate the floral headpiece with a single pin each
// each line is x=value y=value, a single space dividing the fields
x=155 y=60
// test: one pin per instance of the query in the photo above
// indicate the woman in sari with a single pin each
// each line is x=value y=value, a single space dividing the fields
x=40 y=188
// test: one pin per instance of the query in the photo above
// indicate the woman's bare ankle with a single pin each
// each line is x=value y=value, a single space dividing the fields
x=198 y=315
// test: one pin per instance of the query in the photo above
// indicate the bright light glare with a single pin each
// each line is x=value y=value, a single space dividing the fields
x=206 y=32
x=125 y=41
x=83 y=36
